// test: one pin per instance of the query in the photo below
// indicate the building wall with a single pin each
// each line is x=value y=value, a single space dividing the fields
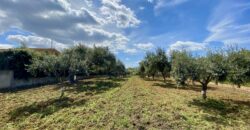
x=7 y=81
x=6 y=78
x=32 y=82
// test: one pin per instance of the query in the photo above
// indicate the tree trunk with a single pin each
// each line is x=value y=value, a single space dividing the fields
x=204 y=91
x=238 y=85
x=216 y=82
x=164 y=77
x=153 y=77
x=62 y=92
x=193 y=83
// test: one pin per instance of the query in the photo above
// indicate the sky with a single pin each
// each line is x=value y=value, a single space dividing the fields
x=128 y=27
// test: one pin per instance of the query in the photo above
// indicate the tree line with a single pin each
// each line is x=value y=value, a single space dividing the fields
x=231 y=64
x=78 y=60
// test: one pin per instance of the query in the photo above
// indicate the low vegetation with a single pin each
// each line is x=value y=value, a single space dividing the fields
x=125 y=103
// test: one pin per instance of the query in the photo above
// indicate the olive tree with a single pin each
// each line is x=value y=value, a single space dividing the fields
x=203 y=74
x=50 y=65
x=238 y=67
x=218 y=65
x=142 y=69
x=75 y=59
x=162 y=64
x=71 y=62
x=208 y=68
x=181 y=63
x=119 y=69
x=100 y=61
x=150 y=64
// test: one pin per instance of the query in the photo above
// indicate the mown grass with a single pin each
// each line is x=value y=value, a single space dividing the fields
x=132 y=103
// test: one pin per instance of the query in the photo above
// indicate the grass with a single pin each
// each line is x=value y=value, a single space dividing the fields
x=129 y=103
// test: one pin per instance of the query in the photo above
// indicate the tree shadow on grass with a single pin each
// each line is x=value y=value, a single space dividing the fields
x=19 y=89
x=166 y=85
x=156 y=79
x=222 y=111
x=119 y=79
x=44 y=108
x=171 y=85
x=92 y=87
x=53 y=105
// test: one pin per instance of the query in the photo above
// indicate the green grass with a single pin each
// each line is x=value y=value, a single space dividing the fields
x=129 y=103
x=247 y=84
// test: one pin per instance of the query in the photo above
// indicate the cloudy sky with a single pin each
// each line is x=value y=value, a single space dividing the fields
x=128 y=27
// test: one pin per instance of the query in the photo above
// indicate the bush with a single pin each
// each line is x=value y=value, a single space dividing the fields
x=16 y=60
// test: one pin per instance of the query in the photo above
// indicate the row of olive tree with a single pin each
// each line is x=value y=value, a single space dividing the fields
x=78 y=60
x=232 y=65
x=155 y=63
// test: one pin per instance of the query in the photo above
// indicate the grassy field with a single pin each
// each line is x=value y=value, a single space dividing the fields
x=129 y=103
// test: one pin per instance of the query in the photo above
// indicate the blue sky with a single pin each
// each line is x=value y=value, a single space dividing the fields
x=128 y=27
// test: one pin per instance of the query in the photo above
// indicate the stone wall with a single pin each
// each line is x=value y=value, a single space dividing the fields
x=33 y=82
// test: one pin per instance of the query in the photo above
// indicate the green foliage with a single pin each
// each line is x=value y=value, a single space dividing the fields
x=154 y=63
x=150 y=64
x=75 y=60
x=101 y=61
x=78 y=60
x=204 y=73
x=16 y=60
x=181 y=63
x=119 y=69
x=49 y=65
x=238 y=66
x=218 y=66
x=142 y=69
x=132 y=71
x=162 y=63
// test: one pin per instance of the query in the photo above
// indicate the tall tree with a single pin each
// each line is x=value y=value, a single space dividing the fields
x=238 y=66
x=119 y=69
x=203 y=74
x=76 y=61
x=142 y=68
x=208 y=68
x=162 y=63
x=151 y=64
x=218 y=65
x=181 y=61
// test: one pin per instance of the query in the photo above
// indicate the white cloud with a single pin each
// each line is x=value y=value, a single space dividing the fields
x=187 y=45
x=224 y=25
x=141 y=8
x=115 y=12
x=150 y=1
x=5 y=46
x=36 y=42
x=144 y=46
x=131 y=50
x=66 y=22
x=168 y=3
x=89 y=2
